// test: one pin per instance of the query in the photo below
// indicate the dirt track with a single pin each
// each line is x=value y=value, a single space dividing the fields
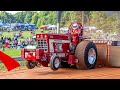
x=62 y=73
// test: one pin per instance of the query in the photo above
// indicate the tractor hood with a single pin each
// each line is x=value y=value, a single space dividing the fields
x=53 y=36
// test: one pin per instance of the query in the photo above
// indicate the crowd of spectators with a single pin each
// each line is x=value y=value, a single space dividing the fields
x=7 y=42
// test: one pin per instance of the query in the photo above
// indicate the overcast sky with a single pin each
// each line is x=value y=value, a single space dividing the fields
x=13 y=12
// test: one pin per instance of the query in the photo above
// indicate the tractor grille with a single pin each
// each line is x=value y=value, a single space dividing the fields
x=42 y=44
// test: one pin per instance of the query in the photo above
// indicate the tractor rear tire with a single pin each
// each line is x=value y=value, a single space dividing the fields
x=30 y=64
x=55 y=62
x=83 y=54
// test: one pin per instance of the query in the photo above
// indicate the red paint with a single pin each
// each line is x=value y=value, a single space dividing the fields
x=30 y=56
x=39 y=53
x=23 y=53
x=43 y=63
x=43 y=57
x=71 y=59
x=9 y=62
x=6 y=45
x=65 y=47
x=52 y=36
x=75 y=40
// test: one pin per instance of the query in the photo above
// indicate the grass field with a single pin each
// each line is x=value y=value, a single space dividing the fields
x=22 y=66
x=12 y=52
x=26 y=34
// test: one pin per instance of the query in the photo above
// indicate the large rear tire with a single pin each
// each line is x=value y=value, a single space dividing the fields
x=86 y=53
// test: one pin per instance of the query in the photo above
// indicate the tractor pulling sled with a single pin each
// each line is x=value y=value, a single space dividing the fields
x=62 y=50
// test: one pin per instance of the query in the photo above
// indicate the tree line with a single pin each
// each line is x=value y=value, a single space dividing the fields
x=98 y=19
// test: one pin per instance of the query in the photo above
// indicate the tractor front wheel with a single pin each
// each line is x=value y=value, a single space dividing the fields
x=86 y=53
x=31 y=64
x=55 y=62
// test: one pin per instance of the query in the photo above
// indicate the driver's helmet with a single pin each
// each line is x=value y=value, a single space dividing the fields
x=75 y=26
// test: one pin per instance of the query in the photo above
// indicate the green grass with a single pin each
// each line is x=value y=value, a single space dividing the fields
x=22 y=65
x=26 y=34
x=12 y=52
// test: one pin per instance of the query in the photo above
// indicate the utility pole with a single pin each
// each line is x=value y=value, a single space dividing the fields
x=87 y=19
x=58 y=22
x=83 y=18
x=10 y=23
x=3 y=19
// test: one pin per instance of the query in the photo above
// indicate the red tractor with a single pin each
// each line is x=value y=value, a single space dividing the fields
x=62 y=50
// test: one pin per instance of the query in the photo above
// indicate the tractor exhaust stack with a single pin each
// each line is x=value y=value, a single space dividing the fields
x=58 y=21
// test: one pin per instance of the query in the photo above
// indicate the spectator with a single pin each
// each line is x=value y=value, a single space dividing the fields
x=31 y=32
x=8 y=29
x=23 y=43
x=9 y=39
x=16 y=43
x=0 y=43
x=20 y=34
x=6 y=43
x=26 y=42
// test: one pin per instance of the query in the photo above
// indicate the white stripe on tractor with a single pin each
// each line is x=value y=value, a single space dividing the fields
x=57 y=41
x=61 y=54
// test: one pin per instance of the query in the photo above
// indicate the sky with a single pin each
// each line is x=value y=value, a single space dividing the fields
x=13 y=12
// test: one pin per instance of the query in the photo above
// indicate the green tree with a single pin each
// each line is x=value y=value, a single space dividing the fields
x=34 y=18
x=102 y=21
x=28 y=17
x=46 y=17
x=98 y=19
x=19 y=17
x=4 y=16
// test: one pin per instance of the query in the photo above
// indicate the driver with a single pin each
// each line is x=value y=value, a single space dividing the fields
x=76 y=31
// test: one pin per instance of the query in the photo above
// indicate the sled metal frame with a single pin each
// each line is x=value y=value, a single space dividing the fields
x=103 y=43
